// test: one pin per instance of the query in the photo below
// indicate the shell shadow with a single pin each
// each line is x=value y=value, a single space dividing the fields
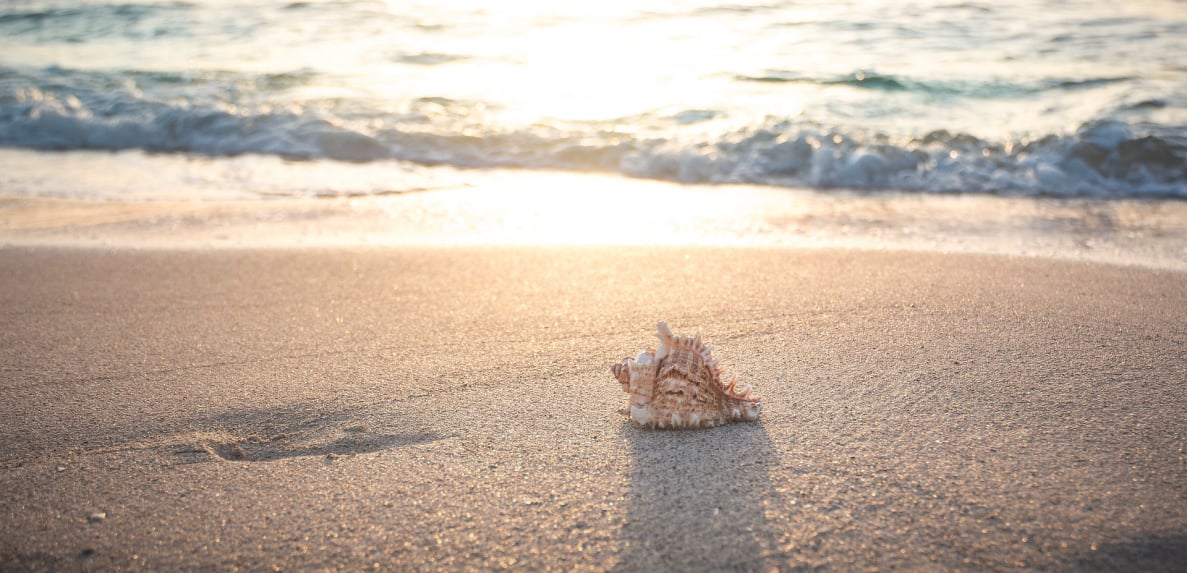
x=697 y=500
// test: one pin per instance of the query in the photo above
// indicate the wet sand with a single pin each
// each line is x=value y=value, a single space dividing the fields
x=517 y=208
x=451 y=408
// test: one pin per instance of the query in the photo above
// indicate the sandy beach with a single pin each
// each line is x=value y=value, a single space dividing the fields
x=406 y=408
x=337 y=286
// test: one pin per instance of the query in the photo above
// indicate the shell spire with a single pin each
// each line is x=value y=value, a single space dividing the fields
x=681 y=385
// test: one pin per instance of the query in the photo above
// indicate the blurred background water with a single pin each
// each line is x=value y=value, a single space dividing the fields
x=1053 y=97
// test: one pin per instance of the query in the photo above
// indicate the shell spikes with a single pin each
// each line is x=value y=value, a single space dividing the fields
x=680 y=385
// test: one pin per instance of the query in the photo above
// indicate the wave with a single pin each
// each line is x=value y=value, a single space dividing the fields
x=870 y=80
x=1108 y=157
x=81 y=22
x=1103 y=158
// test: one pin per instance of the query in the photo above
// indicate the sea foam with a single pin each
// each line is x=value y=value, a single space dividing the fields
x=1101 y=158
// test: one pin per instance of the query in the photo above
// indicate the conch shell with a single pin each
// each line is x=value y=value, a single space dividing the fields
x=679 y=385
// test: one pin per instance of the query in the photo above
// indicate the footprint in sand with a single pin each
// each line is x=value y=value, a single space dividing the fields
x=265 y=447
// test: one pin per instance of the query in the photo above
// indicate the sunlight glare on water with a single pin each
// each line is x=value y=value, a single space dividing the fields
x=1077 y=97
x=584 y=61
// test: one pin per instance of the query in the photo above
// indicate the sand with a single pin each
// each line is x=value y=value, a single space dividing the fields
x=523 y=208
x=451 y=409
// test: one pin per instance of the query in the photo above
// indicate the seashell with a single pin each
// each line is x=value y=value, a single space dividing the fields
x=680 y=385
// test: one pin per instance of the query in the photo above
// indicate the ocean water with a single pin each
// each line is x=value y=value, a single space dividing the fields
x=1017 y=97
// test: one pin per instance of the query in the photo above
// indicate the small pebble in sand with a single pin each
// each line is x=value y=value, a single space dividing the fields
x=331 y=456
x=97 y=517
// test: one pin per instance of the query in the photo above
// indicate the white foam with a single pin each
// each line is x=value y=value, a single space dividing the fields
x=1109 y=158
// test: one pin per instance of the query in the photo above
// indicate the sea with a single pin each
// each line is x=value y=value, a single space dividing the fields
x=194 y=98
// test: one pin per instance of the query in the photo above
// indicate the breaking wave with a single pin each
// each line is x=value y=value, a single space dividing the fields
x=1107 y=157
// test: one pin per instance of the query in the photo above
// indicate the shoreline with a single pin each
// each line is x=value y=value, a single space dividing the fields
x=453 y=409
x=525 y=209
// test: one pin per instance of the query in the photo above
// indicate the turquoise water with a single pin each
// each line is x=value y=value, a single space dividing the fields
x=1085 y=98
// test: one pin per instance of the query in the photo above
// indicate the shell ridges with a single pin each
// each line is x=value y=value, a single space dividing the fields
x=681 y=385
